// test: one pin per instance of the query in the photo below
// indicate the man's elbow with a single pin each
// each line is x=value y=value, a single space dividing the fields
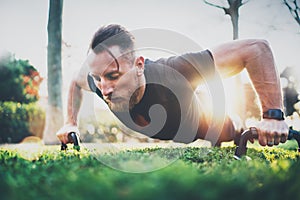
x=80 y=82
x=257 y=48
x=262 y=46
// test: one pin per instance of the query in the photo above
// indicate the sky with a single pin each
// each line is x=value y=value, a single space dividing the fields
x=24 y=27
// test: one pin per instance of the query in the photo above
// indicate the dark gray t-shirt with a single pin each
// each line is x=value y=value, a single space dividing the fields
x=169 y=104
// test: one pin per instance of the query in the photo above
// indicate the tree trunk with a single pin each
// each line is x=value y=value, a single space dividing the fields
x=233 y=12
x=54 y=117
x=235 y=24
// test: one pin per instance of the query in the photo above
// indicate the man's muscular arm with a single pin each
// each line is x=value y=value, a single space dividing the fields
x=257 y=58
x=73 y=105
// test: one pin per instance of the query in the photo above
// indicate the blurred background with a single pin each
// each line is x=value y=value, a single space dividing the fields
x=24 y=34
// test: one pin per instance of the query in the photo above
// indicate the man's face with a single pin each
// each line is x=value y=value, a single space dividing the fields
x=117 y=83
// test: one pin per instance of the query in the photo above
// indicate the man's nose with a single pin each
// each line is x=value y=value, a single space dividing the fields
x=106 y=88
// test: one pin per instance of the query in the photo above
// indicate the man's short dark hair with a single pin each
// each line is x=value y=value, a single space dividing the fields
x=111 y=35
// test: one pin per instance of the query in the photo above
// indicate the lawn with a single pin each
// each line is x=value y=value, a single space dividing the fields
x=192 y=173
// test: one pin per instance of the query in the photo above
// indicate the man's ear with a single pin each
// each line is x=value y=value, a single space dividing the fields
x=139 y=64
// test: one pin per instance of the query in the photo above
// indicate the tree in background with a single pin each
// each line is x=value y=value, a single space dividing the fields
x=293 y=6
x=233 y=12
x=54 y=118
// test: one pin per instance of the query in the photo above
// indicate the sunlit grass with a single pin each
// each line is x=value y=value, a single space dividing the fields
x=197 y=173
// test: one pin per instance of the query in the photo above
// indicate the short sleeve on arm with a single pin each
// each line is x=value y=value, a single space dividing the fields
x=197 y=66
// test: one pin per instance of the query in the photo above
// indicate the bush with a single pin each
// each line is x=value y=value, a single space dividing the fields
x=18 y=121
x=20 y=116
x=20 y=81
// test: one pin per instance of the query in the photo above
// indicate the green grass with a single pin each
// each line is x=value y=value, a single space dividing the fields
x=194 y=173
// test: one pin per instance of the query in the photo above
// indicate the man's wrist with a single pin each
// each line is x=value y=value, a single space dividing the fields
x=71 y=123
x=273 y=114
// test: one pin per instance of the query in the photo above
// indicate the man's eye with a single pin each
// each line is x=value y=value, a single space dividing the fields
x=113 y=76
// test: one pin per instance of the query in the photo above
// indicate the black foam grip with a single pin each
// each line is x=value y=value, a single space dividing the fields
x=72 y=138
x=241 y=149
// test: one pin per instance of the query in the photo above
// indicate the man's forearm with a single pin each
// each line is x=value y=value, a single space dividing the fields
x=74 y=103
x=256 y=56
x=264 y=76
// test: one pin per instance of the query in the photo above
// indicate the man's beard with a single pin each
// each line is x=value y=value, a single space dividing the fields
x=123 y=104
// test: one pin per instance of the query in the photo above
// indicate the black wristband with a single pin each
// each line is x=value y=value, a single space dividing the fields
x=273 y=114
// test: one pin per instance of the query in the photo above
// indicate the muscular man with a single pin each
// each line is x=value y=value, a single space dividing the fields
x=156 y=98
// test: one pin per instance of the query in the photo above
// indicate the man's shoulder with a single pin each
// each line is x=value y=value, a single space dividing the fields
x=200 y=57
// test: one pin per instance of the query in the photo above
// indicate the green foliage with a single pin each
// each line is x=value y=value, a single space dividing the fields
x=19 y=116
x=198 y=173
x=19 y=80
x=16 y=120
